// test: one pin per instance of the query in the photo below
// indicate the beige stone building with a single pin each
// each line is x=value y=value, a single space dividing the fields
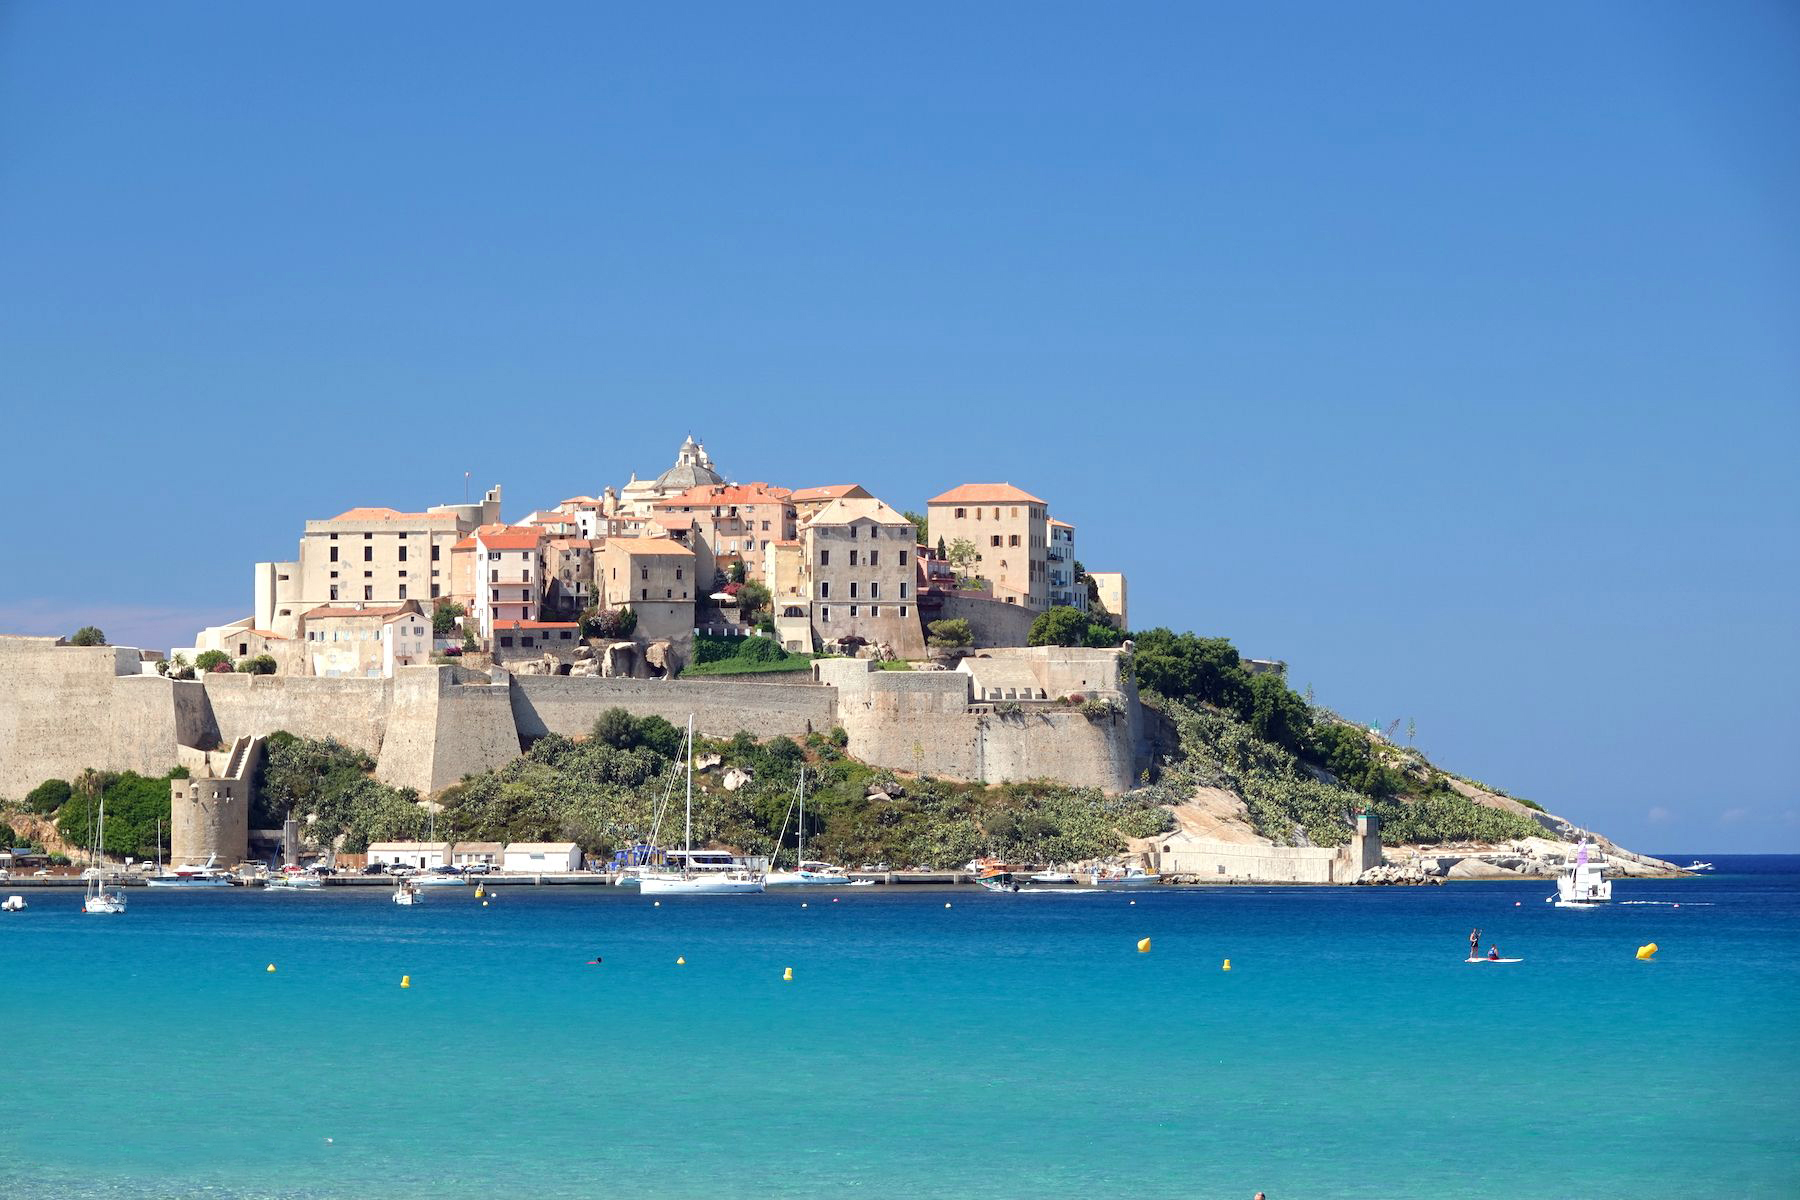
x=655 y=578
x=370 y=556
x=737 y=521
x=808 y=501
x=1010 y=531
x=352 y=640
x=784 y=571
x=509 y=576
x=569 y=575
x=859 y=576
x=1111 y=588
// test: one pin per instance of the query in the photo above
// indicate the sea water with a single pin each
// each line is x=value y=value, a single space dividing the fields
x=931 y=1042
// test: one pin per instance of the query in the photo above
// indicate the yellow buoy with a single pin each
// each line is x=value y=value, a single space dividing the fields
x=681 y=962
x=788 y=975
x=271 y=967
x=406 y=981
x=479 y=893
x=1143 y=945
x=1227 y=965
x=1647 y=952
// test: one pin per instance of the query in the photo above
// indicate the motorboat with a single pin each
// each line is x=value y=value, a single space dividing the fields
x=805 y=873
x=100 y=898
x=694 y=878
x=295 y=881
x=204 y=875
x=1002 y=879
x=1697 y=865
x=1583 y=883
x=1131 y=876
x=439 y=879
x=13 y=904
x=1053 y=877
x=406 y=893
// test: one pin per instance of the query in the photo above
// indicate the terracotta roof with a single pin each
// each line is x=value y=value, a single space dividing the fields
x=842 y=512
x=1064 y=524
x=732 y=493
x=534 y=625
x=510 y=538
x=581 y=500
x=986 y=493
x=650 y=545
x=467 y=543
x=389 y=514
x=342 y=610
x=683 y=523
x=832 y=491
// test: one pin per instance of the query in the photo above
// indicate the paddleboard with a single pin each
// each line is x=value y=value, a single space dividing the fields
x=1485 y=959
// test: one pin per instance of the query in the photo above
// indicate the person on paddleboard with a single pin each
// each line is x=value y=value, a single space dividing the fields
x=1493 y=954
x=1474 y=943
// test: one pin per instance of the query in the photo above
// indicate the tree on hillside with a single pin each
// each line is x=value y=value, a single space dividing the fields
x=1278 y=714
x=260 y=664
x=1185 y=667
x=920 y=524
x=444 y=615
x=952 y=633
x=1066 y=626
x=962 y=555
x=88 y=635
x=754 y=602
x=47 y=796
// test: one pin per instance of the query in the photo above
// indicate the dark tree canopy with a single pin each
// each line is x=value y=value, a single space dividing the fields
x=88 y=635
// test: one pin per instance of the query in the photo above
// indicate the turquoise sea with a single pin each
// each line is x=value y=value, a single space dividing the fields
x=1003 y=1046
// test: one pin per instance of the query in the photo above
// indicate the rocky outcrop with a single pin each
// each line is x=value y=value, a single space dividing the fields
x=1395 y=875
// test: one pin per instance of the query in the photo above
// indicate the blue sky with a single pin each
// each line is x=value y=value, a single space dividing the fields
x=1448 y=352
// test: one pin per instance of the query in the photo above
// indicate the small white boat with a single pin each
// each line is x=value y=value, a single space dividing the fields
x=1132 y=876
x=203 y=875
x=804 y=874
x=100 y=898
x=405 y=893
x=1053 y=877
x=13 y=904
x=432 y=879
x=690 y=881
x=1697 y=865
x=299 y=881
x=1583 y=883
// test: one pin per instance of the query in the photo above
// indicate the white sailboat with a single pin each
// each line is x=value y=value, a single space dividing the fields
x=100 y=898
x=688 y=881
x=1583 y=883
x=805 y=874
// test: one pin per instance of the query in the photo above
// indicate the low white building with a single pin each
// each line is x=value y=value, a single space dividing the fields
x=421 y=856
x=470 y=854
x=538 y=858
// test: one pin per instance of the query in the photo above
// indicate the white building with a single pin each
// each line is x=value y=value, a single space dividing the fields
x=422 y=856
x=542 y=858
x=1060 y=567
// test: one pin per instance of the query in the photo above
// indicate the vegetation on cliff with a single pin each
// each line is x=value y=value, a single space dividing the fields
x=329 y=788
x=137 y=807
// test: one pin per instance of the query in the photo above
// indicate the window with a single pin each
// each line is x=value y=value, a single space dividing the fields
x=853 y=558
x=368 y=554
x=403 y=574
x=403 y=591
x=995 y=541
x=824 y=558
x=677 y=572
x=961 y=513
x=496 y=598
x=825 y=589
x=903 y=593
x=853 y=611
x=1011 y=512
x=565 y=635
x=334 y=575
x=643 y=573
x=996 y=514
x=507 y=642
x=825 y=615
x=434 y=591
x=765 y=527
x=403 y=551
x=434 y=553
x=874 y=610
x=334 y=591
x=368 y=574
x=644 y=593
x=903 y=558
x=853 y=592
x=1013 y=540
x=334 y=552
x=334 y=537
x=874 y=590
x=668 y=593
x=493 y=577
x=903 y=612
x=874 y=557
x=368 y=593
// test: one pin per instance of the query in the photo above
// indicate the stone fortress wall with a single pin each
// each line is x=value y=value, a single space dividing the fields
x=65 y=708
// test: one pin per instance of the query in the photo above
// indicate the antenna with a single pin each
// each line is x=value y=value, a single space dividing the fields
x=465 y=487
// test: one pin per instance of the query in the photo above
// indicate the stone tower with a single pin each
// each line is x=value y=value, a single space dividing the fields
x=209 y=812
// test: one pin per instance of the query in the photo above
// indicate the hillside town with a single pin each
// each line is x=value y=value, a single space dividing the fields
x=623 y=582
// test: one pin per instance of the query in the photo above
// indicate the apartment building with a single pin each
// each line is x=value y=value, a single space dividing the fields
x=569 y=575
x=737 y=521
x=1110 y=587
x=1010 y=532
x=1059 y=565
x=860 y=575
x=808 y=501
x=509 y=575
x=655 y=577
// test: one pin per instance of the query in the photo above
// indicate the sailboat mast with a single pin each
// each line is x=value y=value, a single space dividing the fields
x=800 y=847
x=687 y=861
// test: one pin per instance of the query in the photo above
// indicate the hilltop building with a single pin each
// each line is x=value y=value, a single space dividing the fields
x=808 y=501
x=1008 y=527
x=354 y=640
x=654 y=577
x=1059 y=561
x=1109 y=586
x=736 y=521
x=693 y=468
x=859 y=574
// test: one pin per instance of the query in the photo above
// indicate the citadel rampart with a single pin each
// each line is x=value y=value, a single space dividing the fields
x=65 y=708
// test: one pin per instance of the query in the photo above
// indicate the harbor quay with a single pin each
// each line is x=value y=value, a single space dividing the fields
x=548 y=879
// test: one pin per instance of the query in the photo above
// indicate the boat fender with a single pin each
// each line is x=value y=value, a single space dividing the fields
x=787 y=976
x=1227 y=965
x=1143 y=945
x=1646 y=953
x=681 y=962
x=271 y=968
x=406 y=981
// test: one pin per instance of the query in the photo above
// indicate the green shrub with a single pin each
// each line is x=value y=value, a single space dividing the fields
x=261 y=664
x=952 y=633
x=47 y=797
x=212 y=660
x=87 y=635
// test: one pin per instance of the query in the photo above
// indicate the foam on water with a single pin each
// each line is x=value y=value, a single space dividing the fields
x=1001 y=1046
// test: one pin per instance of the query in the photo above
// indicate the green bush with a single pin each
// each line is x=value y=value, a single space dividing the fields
x=1066 y=626
x=47 y=797
x=212 y=660
x=87 y=635
x=136 y=806
x=444 y=615
x=952 y=633
x=261 y=664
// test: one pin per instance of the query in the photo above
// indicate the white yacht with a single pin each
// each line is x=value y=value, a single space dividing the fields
x=1583 y=883
x=804 y=874
x=205 y=875
x=1132 y=876
x=1697 y=865
x=100 y=898
x=692 y=878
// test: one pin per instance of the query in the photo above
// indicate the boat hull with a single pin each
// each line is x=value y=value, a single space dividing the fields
x=187 y=883
x=805 y=879
x=699 y=885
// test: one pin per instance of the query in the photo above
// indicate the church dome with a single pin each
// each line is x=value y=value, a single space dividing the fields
x=693 y=468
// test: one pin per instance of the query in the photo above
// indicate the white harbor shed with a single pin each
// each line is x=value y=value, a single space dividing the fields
x=419 y=855
x=536 y=858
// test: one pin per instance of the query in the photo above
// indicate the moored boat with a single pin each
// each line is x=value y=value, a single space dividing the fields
x=203 y=875
x=1583 y=883
x=805 y=873
x=688 y=881
x=406 y=894
x=1132 y=876
x=100 y=898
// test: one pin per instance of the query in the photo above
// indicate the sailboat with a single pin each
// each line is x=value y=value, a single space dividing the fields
x=100 y=898
x=688 y=881
x=805 y=874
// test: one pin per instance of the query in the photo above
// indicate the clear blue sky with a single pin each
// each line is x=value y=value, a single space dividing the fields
x=1450 y=352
